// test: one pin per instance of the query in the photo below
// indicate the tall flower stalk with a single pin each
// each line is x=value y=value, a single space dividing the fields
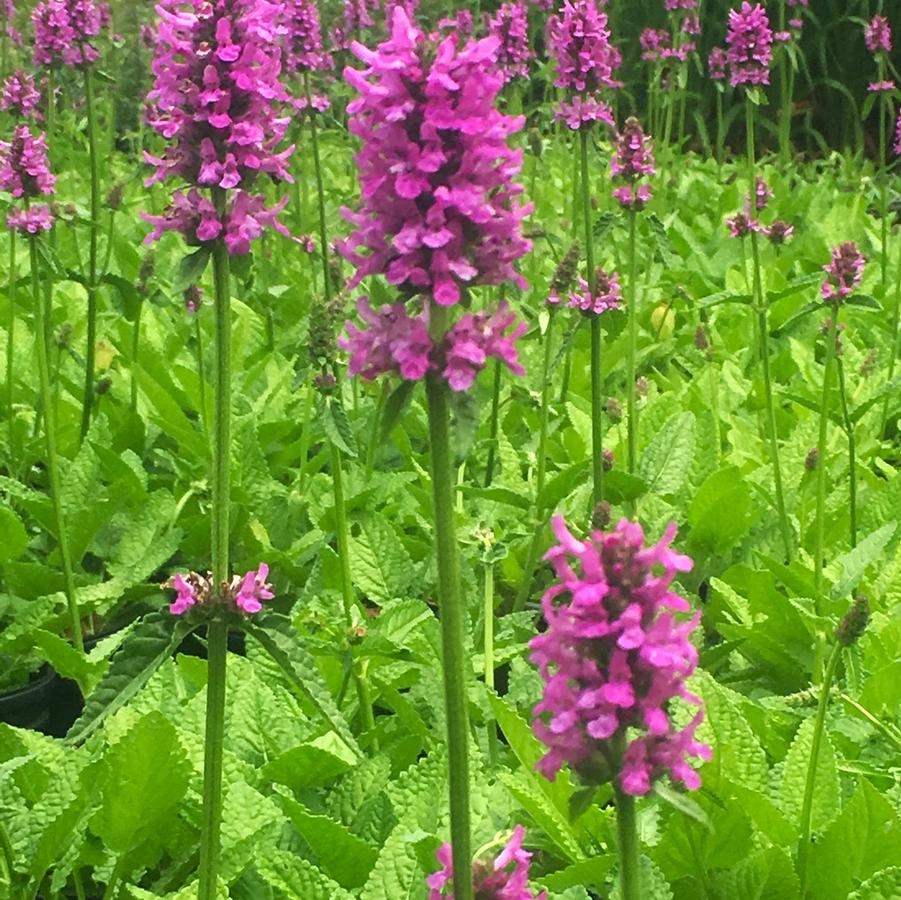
x=25 y=174
x=847 y=634
x=225 y=133
x=844 y=273
x=749 y=56
x=613 y=658
x=65 y=31
x=579 y=41
x=632 y=161
x=439 y=216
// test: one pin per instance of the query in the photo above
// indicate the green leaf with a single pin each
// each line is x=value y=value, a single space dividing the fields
x=396 y=874
x=666 y=461
x=496 y=495
x=769 y=875
x=13 y=537
x=720 y=513
x=865 y=838
x=680 y=801
x=395 y=406
x=293 y=878
x=190 y=270
x=465 y=418
x=381 y=565
x=826 y=790
x=588 y=873
x=153 y=640
x=146 y=776
x=67 y=660
x=342 y=855
x=581 y=801
x=250 y=821
x=864 y=301
x=336 y=426
x=309 y=765
x=652 y=884
x=279 y=638
x=562 y=484
x=621 y=487
x=884 y=885
x=855 y=562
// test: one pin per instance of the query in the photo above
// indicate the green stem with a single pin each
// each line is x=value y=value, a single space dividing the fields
x=763 y=335
x=451 y=607
x=217 y=653
x=307 y=424
x=218 y=631
x=40 y=336
x=597 y=400
x=525 y=585
x=10 y=351
x=631 y=407
x=135 y=349
x=375 y=429
x=883 y=185
x=896 y=337
x=627 y=833
x=852 y=450
x=317 y=166
x=79 y=885
x=820 y=534
x=493 y=423
x=807 y=803
x=785 y=96
x=91 y=349
x=488 y=613
x=720 y=131
x=342 y=537
x=201 y=368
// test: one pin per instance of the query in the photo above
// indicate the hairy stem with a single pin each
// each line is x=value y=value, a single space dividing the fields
x=40 y=337
x=852 y=450
x=810 y=782
x=631 y=312
x=763 y=337
x=451 y=607
x=91 y=349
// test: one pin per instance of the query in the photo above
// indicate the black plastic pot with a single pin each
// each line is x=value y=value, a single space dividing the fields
x=31 y=706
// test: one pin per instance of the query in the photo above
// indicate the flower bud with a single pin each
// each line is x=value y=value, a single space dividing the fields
x=601 y=516
x=614 y=409
x=812 y=460
x=114 y=197
x=853 y=625
x=607 y=460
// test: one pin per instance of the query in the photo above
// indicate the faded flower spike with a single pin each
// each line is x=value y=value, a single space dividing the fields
x=855 y=622
x=844 y=271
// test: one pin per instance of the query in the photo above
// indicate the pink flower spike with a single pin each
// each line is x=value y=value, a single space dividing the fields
x=612 y=658
x=186 y=596
x=750 y=45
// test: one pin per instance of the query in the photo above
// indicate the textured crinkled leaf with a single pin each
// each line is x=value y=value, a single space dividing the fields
x=381 y=565
x=293 y=878
x=309 y=765
x=737 y=754
x=146 y=775
x=855 y=562
x=282 y=642
x=397 y=874
x=345 y=857
x=336 y=426
x=667 y=460
x=864 y=839
x=152 y=641
x=349 y=798
x=13 y=537
x=769 y=875
x=590 y=873
x=884 y=885
x=249 y=821
x=826 y=790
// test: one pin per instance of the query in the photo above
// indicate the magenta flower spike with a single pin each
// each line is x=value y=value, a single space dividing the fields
x=844 y=272
x=505 y=878
x=303 y=43
x=579 y=41
x=607 y=295
x=613 y=657
x=25 y=173
x=878 y=35
x=440 y=210
x=716 y=64
x=632 y=160
x=20 y=95
x=216 y=97
x=510 y=25
x=7 y=18
x=65 y=31
x=750 y=45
